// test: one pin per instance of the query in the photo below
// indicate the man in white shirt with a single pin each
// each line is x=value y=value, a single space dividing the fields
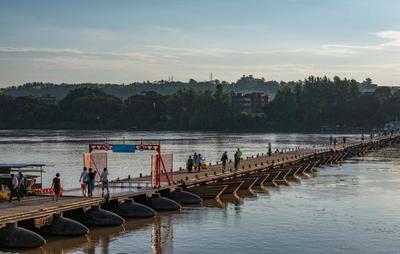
x=104 y=180
x=14 y=188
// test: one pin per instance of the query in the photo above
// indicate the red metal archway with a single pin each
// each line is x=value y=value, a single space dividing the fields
x=161 y=164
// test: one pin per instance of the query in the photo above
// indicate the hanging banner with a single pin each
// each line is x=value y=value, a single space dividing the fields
x=123 y=148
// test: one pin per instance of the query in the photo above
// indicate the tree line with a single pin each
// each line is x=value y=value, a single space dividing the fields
x=298 y=106
x=244 y=84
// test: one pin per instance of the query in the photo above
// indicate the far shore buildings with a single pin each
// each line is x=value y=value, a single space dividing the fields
x=370 y=88
x=250 y=102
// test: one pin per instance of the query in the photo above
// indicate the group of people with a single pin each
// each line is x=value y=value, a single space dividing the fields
x=18 y=186
x=87 y=180
x=195 y=161
x=237 y=158
x=333 y=141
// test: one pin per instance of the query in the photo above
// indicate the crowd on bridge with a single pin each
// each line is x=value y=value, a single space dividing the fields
x=87 y=181
x=197 y=162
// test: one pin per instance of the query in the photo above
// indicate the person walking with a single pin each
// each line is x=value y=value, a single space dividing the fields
x=331 y=140
x=269 y=149
x=238 y=157
x=189 y=164
x=199 y=161
x=224 y=159
x=14 y=188
x=91 y=176
x=83 y=179
x=344 y=140
x=195 y=159
x=104 y=181
x=56 y=186
x=21 y=185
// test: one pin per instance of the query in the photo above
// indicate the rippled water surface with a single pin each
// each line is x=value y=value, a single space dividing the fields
x=352 y=208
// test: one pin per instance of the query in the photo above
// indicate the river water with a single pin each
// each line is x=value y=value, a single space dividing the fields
x=352 y=208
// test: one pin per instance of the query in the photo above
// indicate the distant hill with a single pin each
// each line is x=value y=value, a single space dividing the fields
x=246 y=84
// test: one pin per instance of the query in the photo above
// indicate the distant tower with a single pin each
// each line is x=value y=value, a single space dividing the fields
x=211 y=76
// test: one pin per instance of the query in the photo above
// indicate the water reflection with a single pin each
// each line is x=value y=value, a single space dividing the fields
x=162 y=235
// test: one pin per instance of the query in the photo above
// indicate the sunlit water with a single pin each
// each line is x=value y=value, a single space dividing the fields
x=353 y=208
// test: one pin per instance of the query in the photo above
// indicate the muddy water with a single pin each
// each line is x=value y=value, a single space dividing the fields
x=352 y=208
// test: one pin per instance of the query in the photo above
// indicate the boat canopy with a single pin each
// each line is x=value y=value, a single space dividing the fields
x=20 y=165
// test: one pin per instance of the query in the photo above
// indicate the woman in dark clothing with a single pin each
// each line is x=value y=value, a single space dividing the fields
x=224 y=159
x=91 y=176
x=56 y=187
x=189 y=164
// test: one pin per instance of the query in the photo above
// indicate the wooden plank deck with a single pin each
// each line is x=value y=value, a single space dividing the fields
x=35 y=207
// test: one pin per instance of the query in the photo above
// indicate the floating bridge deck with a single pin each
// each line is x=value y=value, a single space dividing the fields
x=257 y=172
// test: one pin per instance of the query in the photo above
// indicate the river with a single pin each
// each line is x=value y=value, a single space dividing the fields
x=352 y=208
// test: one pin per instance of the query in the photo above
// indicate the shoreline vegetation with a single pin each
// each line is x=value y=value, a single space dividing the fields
x=310 y=105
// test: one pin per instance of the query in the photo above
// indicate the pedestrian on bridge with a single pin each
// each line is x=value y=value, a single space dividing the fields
x=238 y=157
x=14 y=188
x=344 y=140
x=330 y=140
x=84 y=180
x=189 y=164
x=195 y=160
x=224 y=159
x=199 y=161
x=91 y=176
x=104 y=181
x=56 y=186
x=269 y=149
x=21 y=185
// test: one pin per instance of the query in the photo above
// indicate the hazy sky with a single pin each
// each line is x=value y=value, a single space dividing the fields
x=126 y=41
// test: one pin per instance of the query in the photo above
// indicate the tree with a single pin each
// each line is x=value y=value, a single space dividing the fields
x=89 y=107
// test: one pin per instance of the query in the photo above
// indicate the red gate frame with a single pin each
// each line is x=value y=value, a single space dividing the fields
x=143 y=147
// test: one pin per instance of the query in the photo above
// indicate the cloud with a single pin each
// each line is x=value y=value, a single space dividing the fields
x=392 y=36
x=40 y=50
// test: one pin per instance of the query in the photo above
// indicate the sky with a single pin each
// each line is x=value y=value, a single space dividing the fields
x=137 y=40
